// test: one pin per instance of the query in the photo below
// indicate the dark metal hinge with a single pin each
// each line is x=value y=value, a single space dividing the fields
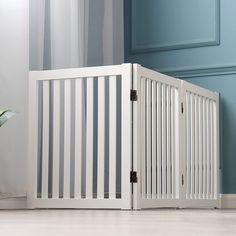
x=133 y=177
x=133 y=95
x=182 y=180
x=182 y=107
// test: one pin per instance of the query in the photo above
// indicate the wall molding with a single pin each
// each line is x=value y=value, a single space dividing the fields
x=13 y=203
x=191 y=72
x=228 y=201
x=195 y=43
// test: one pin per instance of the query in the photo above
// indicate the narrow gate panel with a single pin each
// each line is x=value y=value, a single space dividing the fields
x=157 y=112
x=202 y=145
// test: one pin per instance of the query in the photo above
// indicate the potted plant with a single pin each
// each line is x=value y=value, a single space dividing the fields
x=5 y=115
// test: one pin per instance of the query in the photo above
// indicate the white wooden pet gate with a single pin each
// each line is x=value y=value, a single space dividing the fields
x=121 y=137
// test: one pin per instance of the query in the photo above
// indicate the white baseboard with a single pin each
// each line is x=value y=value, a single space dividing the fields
x=228 y=201
x=13 y=203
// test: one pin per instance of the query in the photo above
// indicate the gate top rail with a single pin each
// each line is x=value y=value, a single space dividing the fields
x=200 y=91
x=154 y=75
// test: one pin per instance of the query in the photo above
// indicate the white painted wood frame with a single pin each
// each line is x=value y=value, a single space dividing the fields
x=169 y=137
x=84 y=194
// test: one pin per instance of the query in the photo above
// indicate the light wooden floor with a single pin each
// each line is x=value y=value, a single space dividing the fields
x=111 y=223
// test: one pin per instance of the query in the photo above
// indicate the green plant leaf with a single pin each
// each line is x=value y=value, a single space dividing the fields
x=5 y=115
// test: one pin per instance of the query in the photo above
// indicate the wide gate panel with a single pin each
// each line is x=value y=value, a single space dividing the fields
x=80 y=138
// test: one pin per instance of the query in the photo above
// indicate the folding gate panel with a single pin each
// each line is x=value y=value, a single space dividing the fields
x=80 y=138
x=156 y=139
x=201 y=162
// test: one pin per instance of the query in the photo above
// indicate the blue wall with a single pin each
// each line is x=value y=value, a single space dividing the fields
x=192 y=40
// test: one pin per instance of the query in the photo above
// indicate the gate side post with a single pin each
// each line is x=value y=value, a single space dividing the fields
x=32 y=140
x=182 y=146
x=136 y=143
x=126 y=136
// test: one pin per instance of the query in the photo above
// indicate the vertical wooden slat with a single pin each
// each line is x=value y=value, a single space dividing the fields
x=45 y=141
x=168 y=144
x=192 y=143
x=212 y=148
x=196 y=164
x=89 y=139
x=143 y=136
x=101 y=138
x=178 y=142
x=208 y=147
x=163 y=141
x=56 y=138
x=78 y=136
x=209 y=138
x=172 y=134
x=188 y=144
x=159 y=142
x=112 y=137
x=149 y=138
x=154 y=134
x=216 y=148
x=67 y=138
x=200 y=146
x=204 y=146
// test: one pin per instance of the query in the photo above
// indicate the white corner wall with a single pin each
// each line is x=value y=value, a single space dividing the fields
x=14 y=66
